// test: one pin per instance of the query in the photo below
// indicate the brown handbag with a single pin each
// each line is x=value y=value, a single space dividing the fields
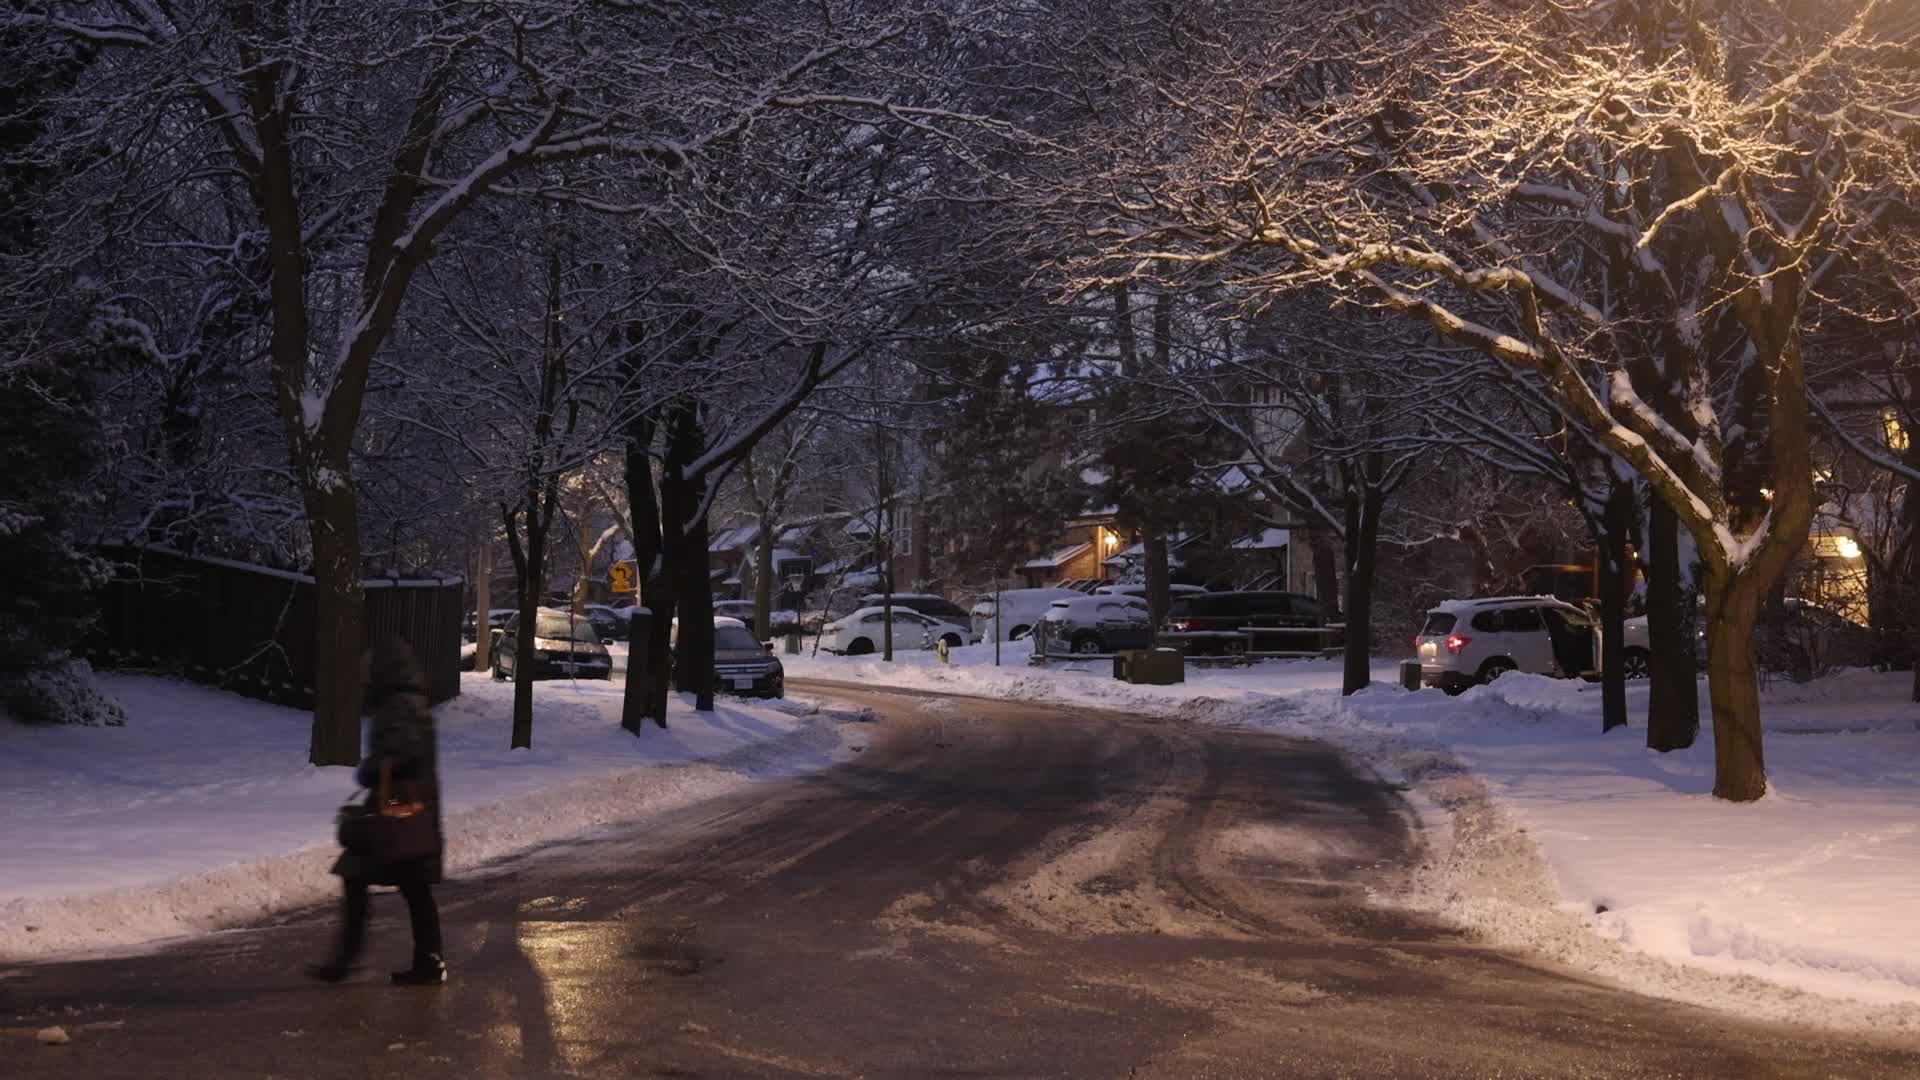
x=400 y=828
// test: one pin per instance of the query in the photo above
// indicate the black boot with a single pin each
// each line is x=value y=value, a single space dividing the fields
x=427 y=970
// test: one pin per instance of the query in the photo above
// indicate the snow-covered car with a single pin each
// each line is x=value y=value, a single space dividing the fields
x=742 y=664
x=614 y=624
x=565 y=645
x=1140 y=589
x=863 y=630
x=1019 y=611
x=496 y=618
x=1092 y=625
x=734 y=609
x=956 y=626
x=1465 y=642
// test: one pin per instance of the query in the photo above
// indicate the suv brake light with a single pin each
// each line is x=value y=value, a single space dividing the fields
x=1455 y=643
x=1185 y=624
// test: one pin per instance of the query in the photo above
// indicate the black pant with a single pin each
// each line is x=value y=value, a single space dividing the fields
x=421 y=912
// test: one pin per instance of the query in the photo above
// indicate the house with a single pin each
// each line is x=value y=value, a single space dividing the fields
x=731 y=553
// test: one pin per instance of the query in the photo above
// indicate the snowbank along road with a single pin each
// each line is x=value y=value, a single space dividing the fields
x=988 y=889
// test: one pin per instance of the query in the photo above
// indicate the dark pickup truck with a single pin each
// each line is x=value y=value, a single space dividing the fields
x=1237 y=623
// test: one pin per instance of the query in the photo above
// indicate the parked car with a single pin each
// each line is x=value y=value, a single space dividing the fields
x=1797 y=638
x=734 y=609
x=1020 y=610
x=956 y=626
x=1139 y=589
x=1465 y=642
x=742 y=665
x=1094 y=625
x=862 y=631
x=496 y=618
x=564 y=645
x=613 y=624
x=1233 y=623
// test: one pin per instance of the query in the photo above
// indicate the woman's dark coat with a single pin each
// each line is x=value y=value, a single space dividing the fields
x=401 y=734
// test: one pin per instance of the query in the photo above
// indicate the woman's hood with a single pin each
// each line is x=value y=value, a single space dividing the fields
x=394 y=669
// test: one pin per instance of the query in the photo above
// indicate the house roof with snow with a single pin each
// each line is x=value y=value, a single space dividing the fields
x=1139 y=550
x=1264 y=540
x=1057 y=558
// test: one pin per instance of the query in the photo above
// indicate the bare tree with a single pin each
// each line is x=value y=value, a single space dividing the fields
x=1494 y=171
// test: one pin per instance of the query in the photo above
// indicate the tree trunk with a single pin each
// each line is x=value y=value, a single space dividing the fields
x=529 y=565
x=483 y=602
x=763 y=579
x=1617 y=520
x=1326 y=569
x=1363 y=535
x=1733 y=609
x=637 y=702
x=523 y=661
x=1673 y=698
x=1159 y=596
x=340 y=610
x=694 y=654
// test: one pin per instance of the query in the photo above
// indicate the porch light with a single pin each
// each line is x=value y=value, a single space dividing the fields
x=1847 y=546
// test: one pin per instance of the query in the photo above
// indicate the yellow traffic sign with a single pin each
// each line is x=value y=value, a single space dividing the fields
x=622 y=575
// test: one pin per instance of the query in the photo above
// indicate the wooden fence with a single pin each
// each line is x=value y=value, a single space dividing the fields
x=250 y=629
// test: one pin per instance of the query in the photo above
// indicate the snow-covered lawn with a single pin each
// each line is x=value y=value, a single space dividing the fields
x=1539 y=822
x=202 y=813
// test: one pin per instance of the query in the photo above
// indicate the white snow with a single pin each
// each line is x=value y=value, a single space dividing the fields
x=1814 y=889
x=202 y=812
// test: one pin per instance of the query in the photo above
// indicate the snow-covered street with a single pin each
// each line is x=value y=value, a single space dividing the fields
x=201 y=812
x=1637 y=868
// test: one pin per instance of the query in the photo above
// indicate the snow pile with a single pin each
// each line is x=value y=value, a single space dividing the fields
x=201 y=812
x=1590 y=848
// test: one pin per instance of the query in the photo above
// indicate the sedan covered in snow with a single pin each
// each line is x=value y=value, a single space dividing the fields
x=1093 y=625
x=862 y=631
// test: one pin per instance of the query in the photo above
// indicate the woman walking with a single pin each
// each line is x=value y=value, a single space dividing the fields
x=401 y=773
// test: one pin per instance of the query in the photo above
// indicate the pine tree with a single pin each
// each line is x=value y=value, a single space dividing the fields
x=50 y=435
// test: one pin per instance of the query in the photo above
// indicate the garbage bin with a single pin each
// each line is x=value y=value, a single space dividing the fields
x=1150 y=667
x=1410 y=674
x=793 y=642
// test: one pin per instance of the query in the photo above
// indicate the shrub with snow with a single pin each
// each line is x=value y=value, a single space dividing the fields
x=62 y=694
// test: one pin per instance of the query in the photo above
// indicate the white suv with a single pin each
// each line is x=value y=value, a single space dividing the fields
x=1476 y=641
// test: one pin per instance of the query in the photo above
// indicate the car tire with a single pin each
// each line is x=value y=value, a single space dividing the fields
x=1019 y=632
x=1637 y=663
x=953 y=640
x=860 y=647
x=1088 y=643
x=1495 y=668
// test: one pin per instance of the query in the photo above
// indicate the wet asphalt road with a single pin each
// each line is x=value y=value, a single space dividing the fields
x=989 y=889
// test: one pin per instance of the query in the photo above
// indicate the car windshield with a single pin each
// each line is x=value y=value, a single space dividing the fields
x=735 y=638
x=562 y=628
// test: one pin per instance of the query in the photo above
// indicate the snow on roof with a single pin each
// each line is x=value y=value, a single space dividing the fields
x=1139 y=550
x=1264 y=540
x=782 y=554
x=1059 y=557
x=735 y=538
